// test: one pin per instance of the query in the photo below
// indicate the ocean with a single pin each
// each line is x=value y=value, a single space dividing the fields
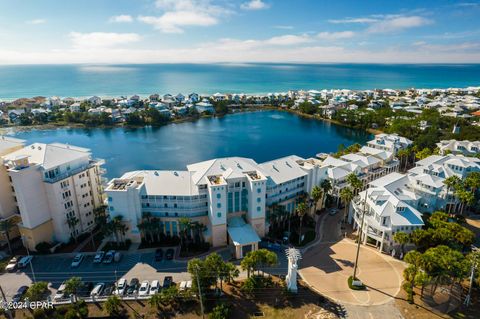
x=144 y=79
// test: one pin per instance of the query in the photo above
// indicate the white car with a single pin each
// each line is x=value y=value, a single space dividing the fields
x=60 y=294
x=143 y=291
x=77 y=260
x=121 y=287
x=12 y=264
x=154 y=287
x=97 y=290
x=98 y=257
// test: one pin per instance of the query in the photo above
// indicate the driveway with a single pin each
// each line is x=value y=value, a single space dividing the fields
x=327 y=265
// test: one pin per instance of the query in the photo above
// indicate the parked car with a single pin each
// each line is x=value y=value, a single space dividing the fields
x=159 y=254
x=169 y=254
x=154 y=287
x=97 y=290
x=77 y=260
x=133 y=286
x=98 y=257
x=108 y=259
x=183 y=286
x=109 y=289
x=333 y=211
x=167 y=281
x=12 y=265
x=60 y=294
x=121 y=287
x=19 y=294
x=117 y=256
x=24 y=261
x=143 y=290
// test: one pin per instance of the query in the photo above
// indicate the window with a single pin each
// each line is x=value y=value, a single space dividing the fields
x=219 y=195
x=111 y=208
x=259 y=190
x=219 y=215
x=259 y=209
x=259 y=199
x=219 y=205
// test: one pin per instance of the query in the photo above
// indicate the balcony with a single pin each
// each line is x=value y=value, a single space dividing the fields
x=71 y=172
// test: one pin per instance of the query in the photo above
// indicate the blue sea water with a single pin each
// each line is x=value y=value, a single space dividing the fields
x=144 y=79
x=263 y=136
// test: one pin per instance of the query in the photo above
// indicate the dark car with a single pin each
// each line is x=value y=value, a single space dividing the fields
x=20 y=292
x=158 y=254
x=108 y=259
x=167 y=281
x=169 y=254
x=133 y=286
x=108 y=290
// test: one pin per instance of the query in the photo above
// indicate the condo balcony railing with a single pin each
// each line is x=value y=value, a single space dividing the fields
x=69 y=173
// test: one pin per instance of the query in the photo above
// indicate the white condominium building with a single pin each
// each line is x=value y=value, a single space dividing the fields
x=389 y=142
x=229 y=196
x=56 y=188
x=396 y=201
x=8 y=205
x=466 y=148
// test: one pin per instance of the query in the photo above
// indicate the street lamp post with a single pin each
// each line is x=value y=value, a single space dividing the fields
x=360 y=232
x=25 y=244
x=475 y=251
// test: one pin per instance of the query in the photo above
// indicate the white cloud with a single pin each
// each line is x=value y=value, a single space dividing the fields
x=354 y=20
x=254 y=5
x=184 y=13
x=101 y=39
x=123 y=18
x=288 y=39
x=465 y=46
x=397 y=23
x=335 y=35
x=36 y=21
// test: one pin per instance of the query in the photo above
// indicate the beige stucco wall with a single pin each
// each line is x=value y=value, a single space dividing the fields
x=41 y=233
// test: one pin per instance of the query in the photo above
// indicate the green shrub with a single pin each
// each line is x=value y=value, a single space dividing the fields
x=221 y=311
x=351 y=286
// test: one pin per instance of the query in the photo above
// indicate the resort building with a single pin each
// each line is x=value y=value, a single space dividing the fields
x=8 y=204
x=396 y=201
x=56 y=188
x=230 y=196
x=466 y=148
x=389 y=142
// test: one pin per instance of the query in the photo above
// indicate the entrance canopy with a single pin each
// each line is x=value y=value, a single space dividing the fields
x=241 y=233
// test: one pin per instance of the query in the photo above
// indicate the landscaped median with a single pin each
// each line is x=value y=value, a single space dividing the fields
x=355 y=284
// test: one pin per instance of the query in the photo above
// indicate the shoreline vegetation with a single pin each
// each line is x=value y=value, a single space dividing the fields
x=426 y=126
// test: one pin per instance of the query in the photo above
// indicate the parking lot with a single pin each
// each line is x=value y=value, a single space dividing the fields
x=57 y=268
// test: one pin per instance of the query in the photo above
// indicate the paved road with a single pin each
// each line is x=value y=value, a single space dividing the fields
x=327 y=265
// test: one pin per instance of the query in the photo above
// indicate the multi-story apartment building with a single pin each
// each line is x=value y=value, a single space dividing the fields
x=389 y=142
x=396 y=201
x=466 y=148
x=229 y=196
x=56 y=188
x=8 y=205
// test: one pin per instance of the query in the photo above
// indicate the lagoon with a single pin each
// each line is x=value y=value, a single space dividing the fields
x=261 y=135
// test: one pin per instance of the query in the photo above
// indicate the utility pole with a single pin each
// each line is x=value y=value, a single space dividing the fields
x=7 y=310
x=475 y=251
x=199 y=292
x=28 y=254
x=360 y=235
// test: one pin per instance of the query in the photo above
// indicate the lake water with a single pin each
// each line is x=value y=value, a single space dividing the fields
x=144 y=79
x=263 y=136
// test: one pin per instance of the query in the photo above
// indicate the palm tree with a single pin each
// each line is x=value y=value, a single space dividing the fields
x=317 y=193
x=301 y=210
x=72 y=221
x=473 y=181
x=403 y=154
x=354 y=182
x=185 y=227
x=113 y=305
x=401 y=238
x=6 y=227
x=346 y=195
x=451 y=182
x=72 y=286
x=326 y=187
x=156 y=301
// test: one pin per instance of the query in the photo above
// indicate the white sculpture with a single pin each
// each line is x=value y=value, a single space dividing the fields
x=293 y=256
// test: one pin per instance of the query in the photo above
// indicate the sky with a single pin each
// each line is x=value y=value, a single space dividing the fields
x=239 y=31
